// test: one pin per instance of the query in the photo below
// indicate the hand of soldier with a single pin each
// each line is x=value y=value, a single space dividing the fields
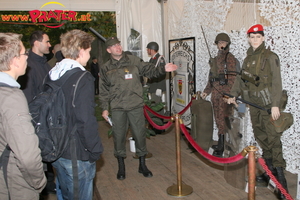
x=232 y=100
x=105 y=114
x=203 y=95
x=275 y=112
x=170 y=67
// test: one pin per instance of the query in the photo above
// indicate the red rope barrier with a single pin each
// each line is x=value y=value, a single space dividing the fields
x=167 y=117
x=155 y=113
x=167 y=125
x=273 y=178
x=185 y=109
x=207 y=155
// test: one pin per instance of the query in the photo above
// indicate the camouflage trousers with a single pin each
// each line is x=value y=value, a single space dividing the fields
x=221 y=110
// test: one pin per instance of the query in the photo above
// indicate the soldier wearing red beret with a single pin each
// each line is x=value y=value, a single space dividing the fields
x=260 y=83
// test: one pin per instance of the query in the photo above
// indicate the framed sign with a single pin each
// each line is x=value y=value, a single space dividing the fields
x=182 y=83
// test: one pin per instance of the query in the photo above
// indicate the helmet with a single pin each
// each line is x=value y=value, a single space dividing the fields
x=222 y=37
x=152 y=45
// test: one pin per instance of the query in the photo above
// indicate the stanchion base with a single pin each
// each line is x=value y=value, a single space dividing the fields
x=148 y=155
x=185 y=190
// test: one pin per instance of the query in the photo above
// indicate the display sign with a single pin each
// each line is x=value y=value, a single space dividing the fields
x=182 y=84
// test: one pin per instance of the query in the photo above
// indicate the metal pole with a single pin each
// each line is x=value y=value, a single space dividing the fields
x=251 y=172
x=178 y=153
x=179 y=189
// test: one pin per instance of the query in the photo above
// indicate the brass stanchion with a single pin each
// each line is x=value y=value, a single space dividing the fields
x=180 y=189
x=251 y=172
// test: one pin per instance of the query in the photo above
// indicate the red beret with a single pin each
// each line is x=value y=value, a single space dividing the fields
x=255 y=28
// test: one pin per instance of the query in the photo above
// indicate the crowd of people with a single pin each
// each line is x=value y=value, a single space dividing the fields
x=120 y=89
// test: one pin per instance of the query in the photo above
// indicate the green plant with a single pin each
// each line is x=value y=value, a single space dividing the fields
x=98 y=110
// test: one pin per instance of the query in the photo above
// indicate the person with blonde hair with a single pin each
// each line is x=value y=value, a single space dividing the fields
x=22 y=175
x=76 y=47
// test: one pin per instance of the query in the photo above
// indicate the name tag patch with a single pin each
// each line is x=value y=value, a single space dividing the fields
x=128 y=76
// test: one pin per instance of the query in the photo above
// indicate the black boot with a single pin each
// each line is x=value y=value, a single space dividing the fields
x=281 y=179
x=264 y=178
x=143 y=168
x=218 y=152
x=221 y=140
x=121 y=171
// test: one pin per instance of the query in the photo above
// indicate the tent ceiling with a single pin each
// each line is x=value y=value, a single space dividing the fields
x=75 y=5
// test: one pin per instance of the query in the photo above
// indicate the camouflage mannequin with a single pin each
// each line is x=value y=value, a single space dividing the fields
x=221 y=79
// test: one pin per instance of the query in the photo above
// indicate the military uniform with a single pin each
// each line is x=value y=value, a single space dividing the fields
x=266 y=92
x=121 y=89
x=224 y=61
x=159 y=82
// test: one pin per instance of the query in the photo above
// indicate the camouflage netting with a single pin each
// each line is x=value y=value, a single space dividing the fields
x=282 y=36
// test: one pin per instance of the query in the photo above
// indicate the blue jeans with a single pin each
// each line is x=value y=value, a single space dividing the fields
x=86 y=174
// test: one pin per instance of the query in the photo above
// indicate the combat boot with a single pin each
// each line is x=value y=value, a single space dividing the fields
x=121 y=171
x=219 y=149
x=143 y=168
x=281 y=179
x=263 y=179
x=216 y=146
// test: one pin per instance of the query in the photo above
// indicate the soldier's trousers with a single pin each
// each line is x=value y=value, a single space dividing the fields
x=121 y=121
x=221 y=110
x=266 y=136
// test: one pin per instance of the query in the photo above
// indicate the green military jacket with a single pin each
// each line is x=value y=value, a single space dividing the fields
x=266 y=65
x=120 y=85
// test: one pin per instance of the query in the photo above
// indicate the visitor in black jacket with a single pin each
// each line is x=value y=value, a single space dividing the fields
x=76 y=47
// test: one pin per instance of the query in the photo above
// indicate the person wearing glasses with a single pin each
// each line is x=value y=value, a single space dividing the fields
x=25 y=176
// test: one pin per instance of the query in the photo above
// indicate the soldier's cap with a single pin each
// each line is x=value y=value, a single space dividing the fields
x=111 y=41
x=255 y=29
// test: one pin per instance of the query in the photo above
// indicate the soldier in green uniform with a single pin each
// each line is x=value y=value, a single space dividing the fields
x=121 y=90
x=157 y=86
x=260 y=83
x=157 y=59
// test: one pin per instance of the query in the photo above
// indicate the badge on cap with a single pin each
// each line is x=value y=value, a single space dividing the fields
x=255 y=28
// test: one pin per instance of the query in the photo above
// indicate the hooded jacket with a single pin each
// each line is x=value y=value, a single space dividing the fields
x=81 y=111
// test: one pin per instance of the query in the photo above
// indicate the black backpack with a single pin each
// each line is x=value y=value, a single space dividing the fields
x=48 y=111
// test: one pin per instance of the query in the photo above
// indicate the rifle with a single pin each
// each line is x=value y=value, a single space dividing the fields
x=206 y=42
x=248 y=102
x=97 y=34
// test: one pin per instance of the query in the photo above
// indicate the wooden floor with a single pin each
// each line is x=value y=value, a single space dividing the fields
x=204 y=177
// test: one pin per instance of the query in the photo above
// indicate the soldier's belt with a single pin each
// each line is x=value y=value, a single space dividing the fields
x=214 y=79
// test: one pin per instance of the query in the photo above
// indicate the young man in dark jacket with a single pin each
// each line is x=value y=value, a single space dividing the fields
x=76 y=47
x=32 y=82
x=95 y=73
